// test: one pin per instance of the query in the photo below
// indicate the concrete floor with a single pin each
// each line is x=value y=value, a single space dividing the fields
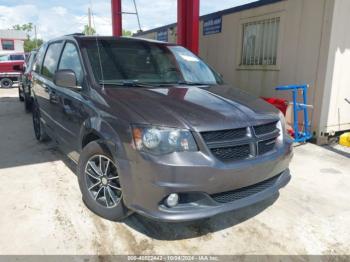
x=42 y=211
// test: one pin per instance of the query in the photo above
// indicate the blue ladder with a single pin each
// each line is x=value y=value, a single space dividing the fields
x=299 y=136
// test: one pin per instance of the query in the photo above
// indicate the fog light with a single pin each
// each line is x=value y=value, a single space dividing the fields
x=172 y=200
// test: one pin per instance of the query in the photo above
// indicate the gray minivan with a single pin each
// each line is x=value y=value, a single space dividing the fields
x=155 y=130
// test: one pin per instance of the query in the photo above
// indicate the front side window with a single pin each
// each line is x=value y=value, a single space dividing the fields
x=51 y=59
x=70 y=60
x=151 y=63
x=8 y=44
x=260 y=42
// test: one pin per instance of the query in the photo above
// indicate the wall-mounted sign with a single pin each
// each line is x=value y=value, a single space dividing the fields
x=162 y=35
x=212 y=26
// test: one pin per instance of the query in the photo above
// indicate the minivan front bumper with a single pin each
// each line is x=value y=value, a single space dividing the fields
x=200 y=180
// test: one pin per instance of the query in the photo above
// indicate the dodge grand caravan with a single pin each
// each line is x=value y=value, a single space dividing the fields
x=154 y=129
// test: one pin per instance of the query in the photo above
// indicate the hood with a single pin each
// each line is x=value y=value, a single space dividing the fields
x=194 y=108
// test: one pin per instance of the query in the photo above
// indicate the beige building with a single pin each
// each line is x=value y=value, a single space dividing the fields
x=269 y=43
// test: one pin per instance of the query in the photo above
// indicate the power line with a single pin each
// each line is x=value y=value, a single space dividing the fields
x=137 y=15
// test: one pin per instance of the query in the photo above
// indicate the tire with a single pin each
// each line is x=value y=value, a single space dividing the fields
x=28 y=103
x=102 y=199
x=6 y=83
x=39 y=128
x=20 y=95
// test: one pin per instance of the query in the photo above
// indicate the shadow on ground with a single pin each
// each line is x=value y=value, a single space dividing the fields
x=18 y=144
x=187 y=230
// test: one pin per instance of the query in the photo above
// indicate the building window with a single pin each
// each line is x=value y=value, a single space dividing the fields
x=260 y=42
x=8 y=44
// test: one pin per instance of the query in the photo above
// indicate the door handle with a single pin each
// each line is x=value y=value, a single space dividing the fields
x=53 y=97
x=46 y=88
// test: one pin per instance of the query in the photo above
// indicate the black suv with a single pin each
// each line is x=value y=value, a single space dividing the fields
x=154 y=129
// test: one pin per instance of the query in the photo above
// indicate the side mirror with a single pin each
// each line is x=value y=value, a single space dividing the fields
x=65 y=78
x=17 y=68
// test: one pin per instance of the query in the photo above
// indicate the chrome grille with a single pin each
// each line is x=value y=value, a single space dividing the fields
x=245 y=192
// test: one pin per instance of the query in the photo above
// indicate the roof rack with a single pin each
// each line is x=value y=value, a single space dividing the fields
x=75 y=34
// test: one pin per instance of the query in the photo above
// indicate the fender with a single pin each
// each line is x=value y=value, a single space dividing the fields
x=102 y=129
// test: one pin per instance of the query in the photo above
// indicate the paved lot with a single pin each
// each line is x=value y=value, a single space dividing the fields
x=42 y=211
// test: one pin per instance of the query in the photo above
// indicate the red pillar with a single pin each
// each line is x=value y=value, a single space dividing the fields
x=188 y=24
x=117 y=17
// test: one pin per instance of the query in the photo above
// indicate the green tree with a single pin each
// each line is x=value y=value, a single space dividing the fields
x=88 y=30
x=29 y=44
x=28 y=28
x=127 y=33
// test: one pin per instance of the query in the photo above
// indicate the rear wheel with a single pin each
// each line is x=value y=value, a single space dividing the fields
x=39 y=128
x=99 y=183
x=20 y=94
x=28 y=102
x=6 y=83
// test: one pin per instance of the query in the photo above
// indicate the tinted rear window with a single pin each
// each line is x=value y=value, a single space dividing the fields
x=16 y=57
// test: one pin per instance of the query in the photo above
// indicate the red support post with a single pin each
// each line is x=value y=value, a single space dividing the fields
x=188 y=24
x=117 y=17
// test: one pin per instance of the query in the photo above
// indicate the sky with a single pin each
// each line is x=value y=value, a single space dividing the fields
x=54 y=18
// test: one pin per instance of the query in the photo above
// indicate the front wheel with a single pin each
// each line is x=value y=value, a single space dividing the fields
x=99 y=183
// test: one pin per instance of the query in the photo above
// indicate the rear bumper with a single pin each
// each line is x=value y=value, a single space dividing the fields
x=197 y=177
x=10 y=75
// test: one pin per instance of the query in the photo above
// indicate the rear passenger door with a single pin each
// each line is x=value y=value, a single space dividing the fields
x=45 y=86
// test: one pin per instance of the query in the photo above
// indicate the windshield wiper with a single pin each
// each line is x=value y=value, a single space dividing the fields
x=192 y=83
x=136 y=83
x=127 y=83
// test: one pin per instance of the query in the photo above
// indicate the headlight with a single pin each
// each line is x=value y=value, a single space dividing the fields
x=163 y=140
x=281 y=126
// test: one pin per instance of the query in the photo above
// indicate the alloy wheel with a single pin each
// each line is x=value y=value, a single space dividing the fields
x=102 y=181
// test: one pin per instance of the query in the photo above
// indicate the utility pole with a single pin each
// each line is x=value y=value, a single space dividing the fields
x=89 y=22
x=137 y=15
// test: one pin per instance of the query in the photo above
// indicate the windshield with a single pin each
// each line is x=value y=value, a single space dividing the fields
x=147 y=63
